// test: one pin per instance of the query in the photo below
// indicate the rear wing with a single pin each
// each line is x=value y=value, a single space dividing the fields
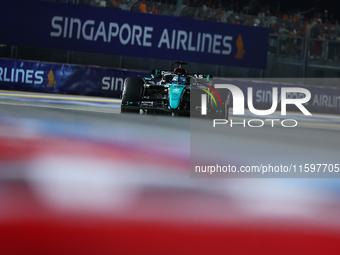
x=158 y=73
x=202 y=77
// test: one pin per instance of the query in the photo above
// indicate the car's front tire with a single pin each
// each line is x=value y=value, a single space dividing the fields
x=132 y=93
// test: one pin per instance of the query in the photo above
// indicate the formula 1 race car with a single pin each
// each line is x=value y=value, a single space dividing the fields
x=174 y=93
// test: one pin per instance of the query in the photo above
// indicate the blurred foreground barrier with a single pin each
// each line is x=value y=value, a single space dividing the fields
x=79 y=188
x=62 y=78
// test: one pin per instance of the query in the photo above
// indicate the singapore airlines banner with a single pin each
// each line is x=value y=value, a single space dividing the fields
x=113 y=31
x=62 y=78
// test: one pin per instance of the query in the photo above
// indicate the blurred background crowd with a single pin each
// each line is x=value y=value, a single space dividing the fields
x=288 y=20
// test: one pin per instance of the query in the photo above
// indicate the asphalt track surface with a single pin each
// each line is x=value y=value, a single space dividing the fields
x=315 y=139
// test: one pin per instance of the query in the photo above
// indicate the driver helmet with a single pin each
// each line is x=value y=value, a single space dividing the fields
x=180 y=70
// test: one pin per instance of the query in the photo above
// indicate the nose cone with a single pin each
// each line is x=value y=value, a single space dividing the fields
x=175 y=94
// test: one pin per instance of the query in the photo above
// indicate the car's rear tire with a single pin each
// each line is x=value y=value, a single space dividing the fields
x=225 y=111
x=220 y=111
x=133 y=89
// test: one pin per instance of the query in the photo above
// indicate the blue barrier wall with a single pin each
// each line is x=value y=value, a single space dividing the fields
x=93 y=81
x=62 y=78
x=323 y=100
x=113 y=31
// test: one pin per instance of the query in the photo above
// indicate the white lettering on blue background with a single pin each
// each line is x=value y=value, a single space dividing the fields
x=112 y=83
x=126 y=34
x=15 y=75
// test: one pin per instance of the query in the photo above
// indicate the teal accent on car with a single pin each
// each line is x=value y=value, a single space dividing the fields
x=175 y=94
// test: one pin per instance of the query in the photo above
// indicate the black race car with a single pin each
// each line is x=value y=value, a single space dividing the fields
x=175 y=93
